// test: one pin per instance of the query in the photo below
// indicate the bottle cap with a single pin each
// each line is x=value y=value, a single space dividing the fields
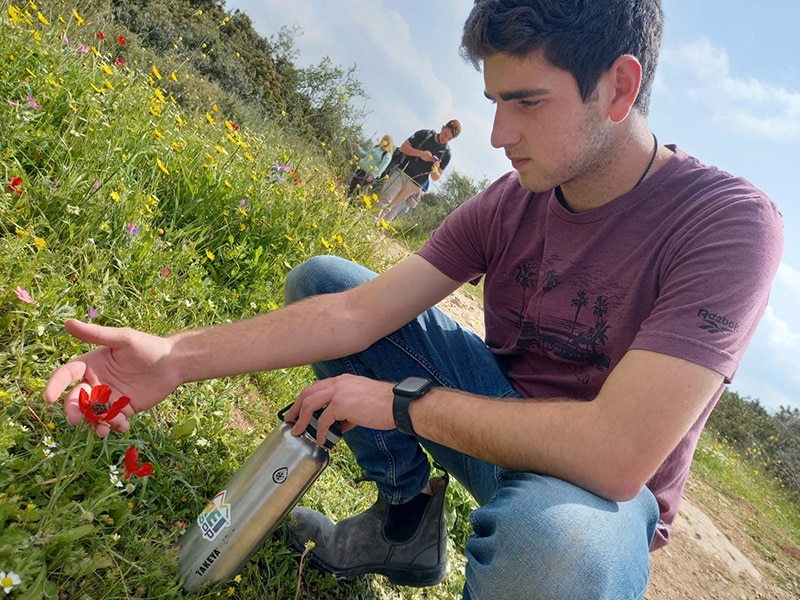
x=331 y=438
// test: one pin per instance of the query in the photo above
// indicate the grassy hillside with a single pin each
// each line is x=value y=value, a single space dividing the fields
x=120 y=207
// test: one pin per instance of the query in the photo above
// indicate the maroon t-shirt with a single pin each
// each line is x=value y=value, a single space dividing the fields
x=682 y=265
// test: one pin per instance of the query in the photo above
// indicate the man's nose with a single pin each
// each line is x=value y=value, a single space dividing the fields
x=504 y=132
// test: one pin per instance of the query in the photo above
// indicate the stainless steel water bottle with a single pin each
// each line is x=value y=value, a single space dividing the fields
x=261 y=493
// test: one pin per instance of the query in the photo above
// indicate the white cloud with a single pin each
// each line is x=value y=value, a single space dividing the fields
x=702 y=71
x=790 y=277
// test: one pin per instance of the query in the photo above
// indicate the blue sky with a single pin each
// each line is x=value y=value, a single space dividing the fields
x=727 y=91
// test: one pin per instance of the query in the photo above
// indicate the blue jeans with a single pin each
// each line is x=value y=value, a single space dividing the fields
x=534 y=536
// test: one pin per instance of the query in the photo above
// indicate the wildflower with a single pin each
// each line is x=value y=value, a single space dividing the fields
x=115 y=537
x=156 y=73
x=96 y=184
x=113 y=476
x=40 y=243
x=9 y=580
x=93 y=312
x=119 y=62
x=164 y=273
x=96 y=408
x=161 y=167
x=210 y=255
x=15 y=186
x=78 y=18
x=23 y=295
x=83 y=49
x=133 y=230
x=32 y=101
x=132 y=466
x=121 y=40
x=49 y=442
x=41 y=18
x=173 y=76
x=101 y=35
x=283 y=168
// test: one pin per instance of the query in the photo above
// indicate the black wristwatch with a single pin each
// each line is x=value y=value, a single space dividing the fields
x=407 y=390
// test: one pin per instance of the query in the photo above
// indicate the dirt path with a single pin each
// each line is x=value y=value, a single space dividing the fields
x=701 y=562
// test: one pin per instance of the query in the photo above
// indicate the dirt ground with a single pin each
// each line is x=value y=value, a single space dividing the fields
x=701 y=562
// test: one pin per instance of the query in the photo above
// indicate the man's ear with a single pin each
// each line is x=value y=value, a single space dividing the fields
x=623 y=79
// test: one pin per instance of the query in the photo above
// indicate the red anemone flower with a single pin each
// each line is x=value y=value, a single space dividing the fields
x=15 y=186
x=101 y=35
x=121 y=40
x=95 y=408
x=132 y=466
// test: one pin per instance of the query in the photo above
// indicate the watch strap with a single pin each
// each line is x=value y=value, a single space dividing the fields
x=400 y=412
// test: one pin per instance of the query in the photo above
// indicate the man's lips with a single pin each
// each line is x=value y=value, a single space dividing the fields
x=518 y=161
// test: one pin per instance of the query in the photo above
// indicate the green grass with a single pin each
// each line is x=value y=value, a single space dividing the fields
x=132 y=212
x=117 y=206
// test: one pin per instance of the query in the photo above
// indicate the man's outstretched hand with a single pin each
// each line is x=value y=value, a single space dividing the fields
x=130 y=362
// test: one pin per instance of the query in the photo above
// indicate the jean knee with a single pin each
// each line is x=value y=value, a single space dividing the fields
x=536 y=543
x=323 y=274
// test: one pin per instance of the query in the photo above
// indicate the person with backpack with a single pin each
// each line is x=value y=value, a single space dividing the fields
x=425 y=154
x=371 y=163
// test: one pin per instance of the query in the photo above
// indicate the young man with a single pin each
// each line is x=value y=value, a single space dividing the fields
x=623 y=282
x=425 y=155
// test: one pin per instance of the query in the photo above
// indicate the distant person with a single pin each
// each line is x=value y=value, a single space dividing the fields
x=409 y=203
x=425 y=154
x=371 y=163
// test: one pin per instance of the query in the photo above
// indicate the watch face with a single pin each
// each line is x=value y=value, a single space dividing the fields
x=413 y=386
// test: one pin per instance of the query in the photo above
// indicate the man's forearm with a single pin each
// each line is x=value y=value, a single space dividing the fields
x=289 y=337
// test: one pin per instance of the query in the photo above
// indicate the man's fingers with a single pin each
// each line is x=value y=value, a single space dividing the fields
x=62 y=378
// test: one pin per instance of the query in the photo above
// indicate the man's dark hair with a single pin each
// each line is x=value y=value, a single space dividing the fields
x=583 y=37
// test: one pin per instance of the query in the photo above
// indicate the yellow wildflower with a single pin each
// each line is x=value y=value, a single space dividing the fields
x=210 y=119
x=173 y=76
x=40 y=243
x=107 y=70
x=78 y=18
x=42 y=19
x=210 y=255
x=155 y=72
x=161 y=167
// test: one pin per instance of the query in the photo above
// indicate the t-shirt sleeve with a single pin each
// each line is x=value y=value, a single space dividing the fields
x=460 y=247
x=715 y=285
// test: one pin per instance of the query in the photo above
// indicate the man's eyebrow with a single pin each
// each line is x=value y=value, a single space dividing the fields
x=518 y=94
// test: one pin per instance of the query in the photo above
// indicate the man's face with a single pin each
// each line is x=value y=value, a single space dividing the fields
x=445 y=135
x=550 y=136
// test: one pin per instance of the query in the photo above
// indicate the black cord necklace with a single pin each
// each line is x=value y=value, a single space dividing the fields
x=650 y=164
x=560 y=194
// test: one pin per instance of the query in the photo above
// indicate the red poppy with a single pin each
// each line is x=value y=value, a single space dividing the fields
x=121 y=40
x=15 y=186
x=119 y=62
x=95 y=408
x=132 y=466
x=101 y=35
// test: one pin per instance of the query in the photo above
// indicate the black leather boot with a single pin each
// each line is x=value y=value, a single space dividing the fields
x=406 y=548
